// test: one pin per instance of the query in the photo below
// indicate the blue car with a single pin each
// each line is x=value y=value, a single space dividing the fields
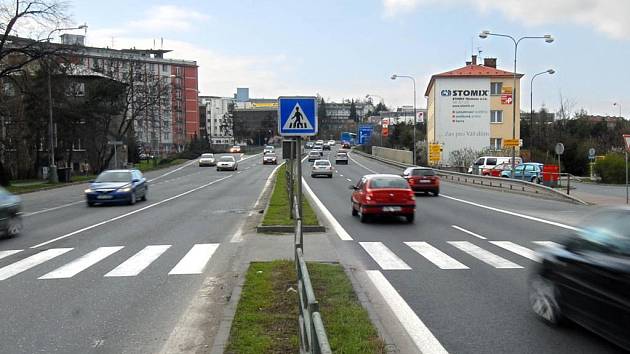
x=528 y=171
x=117 y=186
x=10 y=214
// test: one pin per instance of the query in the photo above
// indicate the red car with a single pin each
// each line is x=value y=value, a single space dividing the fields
x=383 y=195
x=496 y=170
x=423 y=179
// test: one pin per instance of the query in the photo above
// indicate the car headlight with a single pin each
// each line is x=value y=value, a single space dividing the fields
x=87 y=190
x=126 y=189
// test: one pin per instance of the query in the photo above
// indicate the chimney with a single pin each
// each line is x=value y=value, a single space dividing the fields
x=474 y=60
x=490 y=62
x=468 y=63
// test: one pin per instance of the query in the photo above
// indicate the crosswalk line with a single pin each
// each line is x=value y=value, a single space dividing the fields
x=382 y=255
x=483 y=255
x=8 y=253
x=518 y=249
x=138 y=262
x=30 y=262
x=435 y=256
x=547 y=243
x=196 y=259
x=80 y=264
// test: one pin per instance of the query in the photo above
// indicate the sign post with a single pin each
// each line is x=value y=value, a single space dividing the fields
x=115 y=143
x=559 y=151
x=626 y=139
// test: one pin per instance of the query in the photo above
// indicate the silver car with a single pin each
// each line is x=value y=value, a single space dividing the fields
x=322 y=168
x=207 y=159
x=341 y=158
x=315 y=155
x=228 y=163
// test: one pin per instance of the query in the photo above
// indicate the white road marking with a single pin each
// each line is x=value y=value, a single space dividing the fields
x=341 y=232
x=348 y=179
x=82 y=263
x=196 y=259
x=518 y=249
x=53 y=208
x=340 y=175
x=8 y=253
x=360 y=164
x=238 y=235
x=547 y=243
x=549 y=222
x=420 y=334
x=267 y=183
x=468 y=232
x=435 y=256
x=385 y=258
x=138 y=262
x=173 y=171
x=483 y=255
x=30 y=262
x=129 y=213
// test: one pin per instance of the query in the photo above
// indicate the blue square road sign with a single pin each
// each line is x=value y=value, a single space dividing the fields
x=297 y=116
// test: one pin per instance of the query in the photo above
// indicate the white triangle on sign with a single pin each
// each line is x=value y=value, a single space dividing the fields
x=297 y=120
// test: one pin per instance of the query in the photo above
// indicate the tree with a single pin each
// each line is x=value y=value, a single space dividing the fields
x=353 y=112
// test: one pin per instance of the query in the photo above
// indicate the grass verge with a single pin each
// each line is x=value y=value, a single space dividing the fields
x=278 y=209
x=27 y=186
x=266 y=319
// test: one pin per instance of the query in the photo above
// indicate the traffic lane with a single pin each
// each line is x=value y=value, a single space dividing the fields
x=127 y=309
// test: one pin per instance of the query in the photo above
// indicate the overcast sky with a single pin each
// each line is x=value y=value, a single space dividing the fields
x=347 y=49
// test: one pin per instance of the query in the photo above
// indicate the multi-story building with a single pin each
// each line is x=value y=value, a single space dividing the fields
x=339 y=113
x=218 y=119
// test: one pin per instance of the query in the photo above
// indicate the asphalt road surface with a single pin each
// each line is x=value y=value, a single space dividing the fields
x=116 y=279
x=462 y=267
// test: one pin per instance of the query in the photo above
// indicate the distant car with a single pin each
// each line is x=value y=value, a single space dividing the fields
x=270 y=158
x=228 y=163
x=341 y=158
x=236 y=149
x=309 y=145
x=10 y=214
x=345 y=146
x=529 y=171
x=207 y=159
x=318 y=146
x=314 y=155
x=319 y=142
x=326 y=146
x=116 y=186
x=587 y=278
x=423 y=179
x=268 y=149
x=483 y=164
x=322 y=168
x=383 y=194
x=498 y=169
x=332 y=142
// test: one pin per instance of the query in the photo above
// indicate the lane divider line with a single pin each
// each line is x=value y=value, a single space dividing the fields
x=53 y=208
x=360 y=164
x=468 y=232
x=341 y=232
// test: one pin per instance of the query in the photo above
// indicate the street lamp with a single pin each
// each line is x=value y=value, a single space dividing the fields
x=617 y=104
x=52 y=176
x=531 y=108
x=548 y=39
x=394 y=77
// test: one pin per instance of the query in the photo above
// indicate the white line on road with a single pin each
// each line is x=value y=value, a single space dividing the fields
x=435 y=256
x=82 y=263
x=382 y=255
x=196 y=259
x=8 y=253
x=30 y=262
x=129 y=213
x=173 y=171
x=348 y=179
x=138 y=262
x=518 y=249
x=360 y=164
x=483 y=255
x=468 y=232
x=267 y=183
x=341 y=232
x=53 y=208
x=420 y=334
x=547 y=243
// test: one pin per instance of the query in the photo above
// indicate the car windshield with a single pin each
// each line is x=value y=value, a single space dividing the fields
x=118 y=176
x=313 y=153
x=422 y=172
x=342 y=155
x=269 y=147
x=270 y=155
x=322 y=163
x=227 y=159
x=388 y=182
x=608 y=230
x=207 y=156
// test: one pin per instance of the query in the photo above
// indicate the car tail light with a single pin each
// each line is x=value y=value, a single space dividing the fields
x=369 y=196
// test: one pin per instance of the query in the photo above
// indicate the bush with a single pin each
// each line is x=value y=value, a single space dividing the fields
x=611 y=168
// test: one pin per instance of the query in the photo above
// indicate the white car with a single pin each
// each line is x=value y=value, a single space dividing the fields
x=269 y=149
x=227 y=163
x=315 y=155
x=332 y=142
x=322 y=168
x=341 y=158
x=270 y=158
x=207 y=160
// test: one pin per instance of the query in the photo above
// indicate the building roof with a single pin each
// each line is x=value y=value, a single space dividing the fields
x=472 y=70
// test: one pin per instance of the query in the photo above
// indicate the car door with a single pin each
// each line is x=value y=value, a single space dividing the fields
x=518 y=171
x=529 y=172
x=359 y=193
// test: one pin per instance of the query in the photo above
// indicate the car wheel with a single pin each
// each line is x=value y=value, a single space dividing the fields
x=543 y=297
x=436 y=193
x=90 y=204
x=354 y=211
x=362 y=217
x=144 y=195
x=536 y=180
x=410 y=218
x=330 y=176
x=132 y=199
x=14 y=226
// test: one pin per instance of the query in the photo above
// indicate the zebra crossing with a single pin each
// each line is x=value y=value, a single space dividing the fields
x=193 y=262
x=444 y=256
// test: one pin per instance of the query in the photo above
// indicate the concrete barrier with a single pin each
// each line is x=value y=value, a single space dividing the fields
x=403 y=156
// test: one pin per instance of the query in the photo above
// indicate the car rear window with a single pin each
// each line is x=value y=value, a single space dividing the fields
x=422 y=172
x=322 y=163
x=388 y=182
x=314 y=153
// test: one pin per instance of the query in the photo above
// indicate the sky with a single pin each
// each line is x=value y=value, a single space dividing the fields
x=346 y=49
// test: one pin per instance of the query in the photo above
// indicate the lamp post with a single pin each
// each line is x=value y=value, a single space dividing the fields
x=394 y=77
x=531 y=108
x=52 y=174
x=548 y=39
x=617 y=104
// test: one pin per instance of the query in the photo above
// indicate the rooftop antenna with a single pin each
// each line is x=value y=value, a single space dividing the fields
x=479 y=51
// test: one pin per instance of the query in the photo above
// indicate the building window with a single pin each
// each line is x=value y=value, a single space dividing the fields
x=164 y=67
x=495 y=143
x=495 y=88
x=496 y=116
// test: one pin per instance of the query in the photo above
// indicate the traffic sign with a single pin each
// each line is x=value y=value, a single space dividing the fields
x=626 y=139
x=297 y=116
x=591 y=153
x=435 y=148
x=559 y=149
x=365 y=133
x=511 y=143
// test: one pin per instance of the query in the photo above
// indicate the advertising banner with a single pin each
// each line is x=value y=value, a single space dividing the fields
x=506 y=95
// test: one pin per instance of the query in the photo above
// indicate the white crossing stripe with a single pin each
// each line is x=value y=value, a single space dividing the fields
x=547 y=243
x=8 y=253
x=483 y=255
x=518 y=249
x=435 y=256
x=384 y=256
x=467 y=231
x=138 y=262
x=82 y=263
x=196 y=259
x=30 y=262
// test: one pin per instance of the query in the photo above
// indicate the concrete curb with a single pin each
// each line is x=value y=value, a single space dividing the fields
x=275 y=229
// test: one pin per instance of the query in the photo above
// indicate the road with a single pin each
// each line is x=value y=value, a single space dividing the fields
x=116 y=279
x=462 y=267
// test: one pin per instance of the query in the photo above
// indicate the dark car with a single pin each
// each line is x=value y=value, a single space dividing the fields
x=423 y=179
x=116 y=186
x=10 y=214
x=383 y=194
x=587 y=278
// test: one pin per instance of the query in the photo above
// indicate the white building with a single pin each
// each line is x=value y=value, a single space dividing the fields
x=219 y=125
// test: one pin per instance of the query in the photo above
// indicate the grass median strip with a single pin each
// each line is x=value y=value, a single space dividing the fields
x=278 y=210
x=266 y=319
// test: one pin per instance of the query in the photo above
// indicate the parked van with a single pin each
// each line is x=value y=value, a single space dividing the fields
x=484 y=164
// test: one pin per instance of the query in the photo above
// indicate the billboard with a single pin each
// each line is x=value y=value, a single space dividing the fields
x=365 y=133
x=462 y=114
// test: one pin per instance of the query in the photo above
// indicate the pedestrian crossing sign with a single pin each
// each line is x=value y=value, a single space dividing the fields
x=297 y=116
